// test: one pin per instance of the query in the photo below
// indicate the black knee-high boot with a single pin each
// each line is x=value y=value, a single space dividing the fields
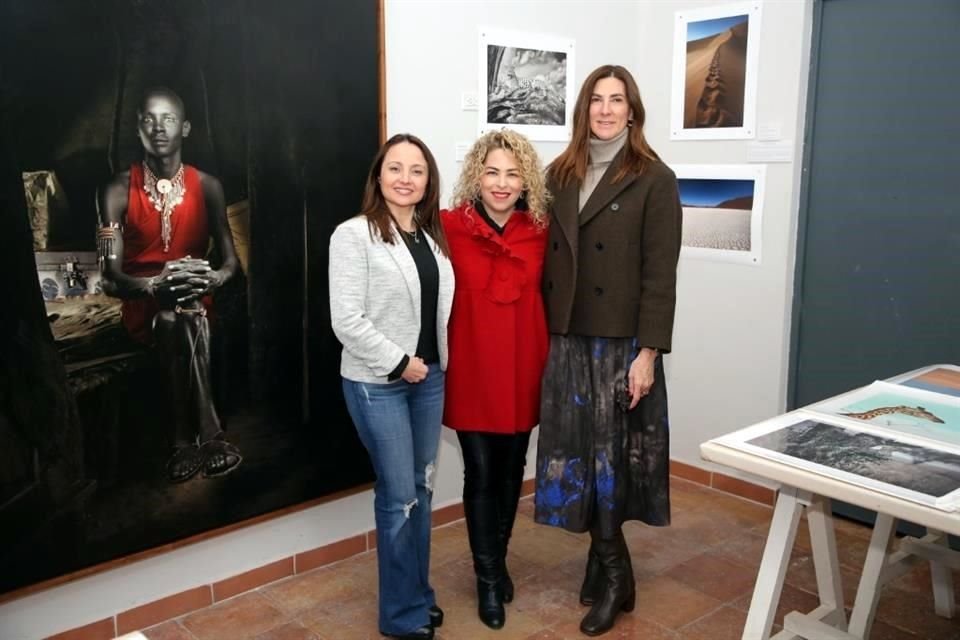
x=592 y=588
x=514 y=460
x=483 y=523
x=619 y=588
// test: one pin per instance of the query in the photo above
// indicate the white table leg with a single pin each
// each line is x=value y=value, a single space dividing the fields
x=773 y=566
x=868 y=592
x=825 y=562
x=943 y=601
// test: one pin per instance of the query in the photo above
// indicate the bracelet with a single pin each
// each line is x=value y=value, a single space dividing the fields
x=151 y=286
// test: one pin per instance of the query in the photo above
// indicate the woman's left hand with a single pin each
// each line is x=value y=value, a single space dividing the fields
x=640 y=376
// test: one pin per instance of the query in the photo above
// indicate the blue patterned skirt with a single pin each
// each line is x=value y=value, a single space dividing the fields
x=598 y=465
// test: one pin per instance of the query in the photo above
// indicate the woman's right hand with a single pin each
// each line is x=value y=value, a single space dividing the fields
x=416 y=370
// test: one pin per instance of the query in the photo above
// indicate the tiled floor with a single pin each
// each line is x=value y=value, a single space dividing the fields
x=694 y=582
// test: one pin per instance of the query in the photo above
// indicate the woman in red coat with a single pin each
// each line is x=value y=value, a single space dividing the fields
x=498 y=343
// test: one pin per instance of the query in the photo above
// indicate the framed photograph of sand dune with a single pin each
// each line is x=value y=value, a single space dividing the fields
x=526 y=84
x=715 y=59
x=722 y=211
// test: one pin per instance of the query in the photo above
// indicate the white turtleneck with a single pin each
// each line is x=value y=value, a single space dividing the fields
x=601 y=155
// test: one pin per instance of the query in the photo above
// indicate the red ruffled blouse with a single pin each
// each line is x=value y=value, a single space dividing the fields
x=497 y=330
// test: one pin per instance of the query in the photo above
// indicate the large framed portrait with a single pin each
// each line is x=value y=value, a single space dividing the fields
x=195 y=143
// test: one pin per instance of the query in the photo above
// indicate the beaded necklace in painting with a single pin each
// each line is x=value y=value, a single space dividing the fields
x=165 y=195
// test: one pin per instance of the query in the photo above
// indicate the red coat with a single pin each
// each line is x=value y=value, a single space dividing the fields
x=498 y=329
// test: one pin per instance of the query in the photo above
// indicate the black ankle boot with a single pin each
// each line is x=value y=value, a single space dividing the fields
x=436 y=616
x=592 y=588
x=619 y=589
x=490 y=604
x=423 y=633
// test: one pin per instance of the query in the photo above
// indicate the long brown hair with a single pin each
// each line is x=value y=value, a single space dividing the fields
x=375 y=208
x=572 y=163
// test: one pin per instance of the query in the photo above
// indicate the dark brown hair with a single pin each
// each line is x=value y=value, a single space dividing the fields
x=375 y=208
x=572 y=163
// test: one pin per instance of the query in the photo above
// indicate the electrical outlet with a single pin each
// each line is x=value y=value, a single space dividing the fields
x=460 y=150
x=469 y=101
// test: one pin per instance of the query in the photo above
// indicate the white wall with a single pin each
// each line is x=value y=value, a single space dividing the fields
x=428 y=68
x=732 y=332
x=729 y=364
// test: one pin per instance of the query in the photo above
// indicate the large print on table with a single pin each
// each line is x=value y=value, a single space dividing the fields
x=107 y=385
x=903 y=467
x=899 y=410
x=722 y=211
x=715 y=59
x=526 y=84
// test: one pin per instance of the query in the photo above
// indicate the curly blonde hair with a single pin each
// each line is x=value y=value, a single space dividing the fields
x=467 y=188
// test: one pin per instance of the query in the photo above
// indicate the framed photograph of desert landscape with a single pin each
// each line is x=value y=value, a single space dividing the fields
x=900 y=467
x=715 y=60
x=526 y=84
x=722 y=211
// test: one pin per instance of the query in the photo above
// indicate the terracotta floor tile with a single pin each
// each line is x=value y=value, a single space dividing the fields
x=629 y=626
x=289 y=631
x=245 y=616
x=549 y=600
x=883 y=631
x=168 y=631
x=918 y=581
x=319 y=586
x=801 y=574
x=672 y=604
x=745 y=549
x=694 y=582
x=914 y=612
x=715 y=576
x=726 y=623
x=791 y=599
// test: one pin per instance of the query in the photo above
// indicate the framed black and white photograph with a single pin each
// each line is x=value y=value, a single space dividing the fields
x=899 y=466
x=722 y=211
x=526 y=84
x=715 y=60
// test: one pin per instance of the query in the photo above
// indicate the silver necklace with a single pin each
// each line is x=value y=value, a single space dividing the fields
x=165 y=195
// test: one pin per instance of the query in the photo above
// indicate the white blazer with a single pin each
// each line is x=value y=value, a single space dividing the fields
x=375 y=301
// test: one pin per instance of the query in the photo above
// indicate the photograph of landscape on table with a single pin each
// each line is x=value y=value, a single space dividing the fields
x=895 y=466
x=526 y=84
x=722 y=207
x=714 y=72
x=899 y=409
x=939 y=379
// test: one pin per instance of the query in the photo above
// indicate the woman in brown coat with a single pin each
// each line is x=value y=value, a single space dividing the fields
x=610 y=291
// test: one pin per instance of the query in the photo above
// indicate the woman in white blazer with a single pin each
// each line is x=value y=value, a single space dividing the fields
x=391 y=289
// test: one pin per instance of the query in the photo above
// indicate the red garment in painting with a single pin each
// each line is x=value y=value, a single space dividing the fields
x=143 y=254
x=497 y=330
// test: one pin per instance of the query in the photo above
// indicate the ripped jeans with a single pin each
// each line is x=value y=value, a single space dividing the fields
x=399 y=424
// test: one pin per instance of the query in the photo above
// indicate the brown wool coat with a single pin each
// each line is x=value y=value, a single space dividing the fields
x=611 y=271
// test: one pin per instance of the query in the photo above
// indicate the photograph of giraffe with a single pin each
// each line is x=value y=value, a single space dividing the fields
x=897 y=466
x=714 y=72
x=900 y=410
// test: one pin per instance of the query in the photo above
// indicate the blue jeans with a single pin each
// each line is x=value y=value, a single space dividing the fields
x=399 y=424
